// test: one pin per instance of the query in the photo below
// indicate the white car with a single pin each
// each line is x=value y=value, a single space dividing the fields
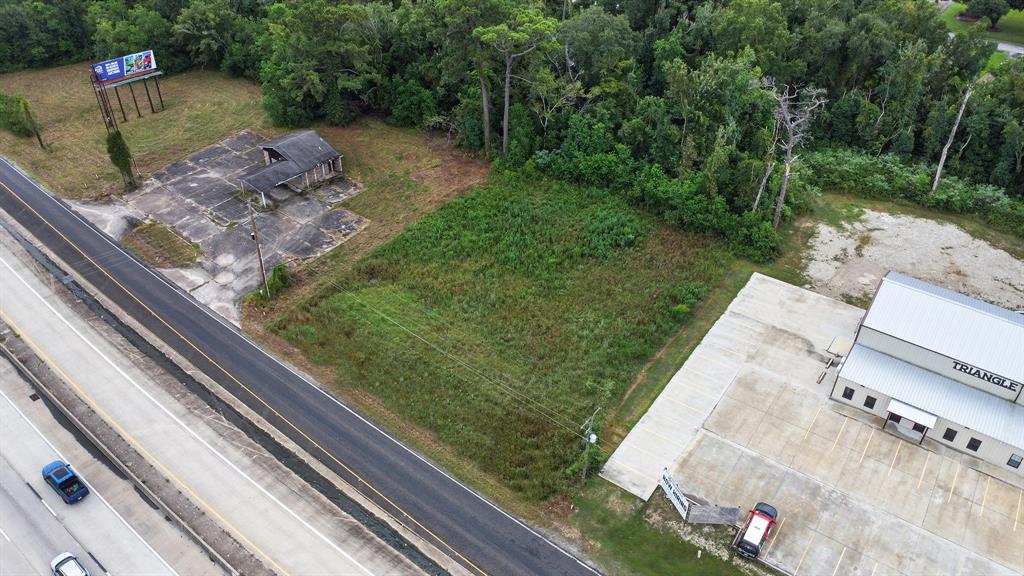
x=67 y=565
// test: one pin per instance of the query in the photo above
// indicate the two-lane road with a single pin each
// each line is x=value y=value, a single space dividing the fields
x=444 y=512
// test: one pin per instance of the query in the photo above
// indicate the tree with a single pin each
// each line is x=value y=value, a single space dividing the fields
x=527 y=29
x=991 y=9
x=204 y=27
x=952 y=135
x=596 y=42
x=120 y=156
x=552 y=92
x=30 y=119
x=795 y=110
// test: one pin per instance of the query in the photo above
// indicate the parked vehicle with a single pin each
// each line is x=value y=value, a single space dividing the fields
x=64 y=482
x=755 y=532
x=67 y=565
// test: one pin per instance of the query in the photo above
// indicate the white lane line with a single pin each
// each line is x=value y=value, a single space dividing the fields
x=4 y=534
x=183 y=426
x=91 y=488
x=52 y=513
x=259 y=350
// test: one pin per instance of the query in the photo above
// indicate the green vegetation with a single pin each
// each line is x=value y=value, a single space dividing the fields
x=536 y=302
x=12 y=115
x=161 y=246
x=1010 y=27
x=120 y=156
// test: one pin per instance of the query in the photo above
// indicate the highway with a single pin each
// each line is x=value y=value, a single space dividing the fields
x=36 y=525
x=458 y=521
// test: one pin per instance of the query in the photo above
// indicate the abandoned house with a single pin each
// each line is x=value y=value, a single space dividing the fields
x=294 y=163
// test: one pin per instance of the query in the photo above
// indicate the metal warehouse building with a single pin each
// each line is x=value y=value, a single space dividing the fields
x=936 y=364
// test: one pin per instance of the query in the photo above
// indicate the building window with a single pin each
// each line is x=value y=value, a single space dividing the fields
x=1014 y=461
x=918 y=427
x=869 y=402
x=950 y=435
x=973 y=444
x=895 y=417
x=848 y=393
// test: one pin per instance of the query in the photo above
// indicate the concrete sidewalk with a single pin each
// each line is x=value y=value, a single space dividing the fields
x=275 y=515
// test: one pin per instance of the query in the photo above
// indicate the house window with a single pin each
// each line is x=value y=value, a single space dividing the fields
x=1014 y=461
x=973 y=444
x=869 y=402
x=950 y=435
x=918 y=427
x=848 y=393
x=895 y=417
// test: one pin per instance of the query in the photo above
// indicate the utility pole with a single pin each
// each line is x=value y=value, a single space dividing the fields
x=259 y=253
x=590 y=439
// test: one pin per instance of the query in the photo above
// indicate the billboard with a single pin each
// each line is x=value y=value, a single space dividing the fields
x=125 y=66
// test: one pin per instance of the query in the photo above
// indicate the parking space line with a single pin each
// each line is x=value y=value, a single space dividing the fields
x=866 y=444
x=984 y=496
x=1016 y=516
x=953 y=485
x=893 y=463
x=841 y=554
x=4 y=534
x=775 y=537
x=873 y=569
x=921 y=479
x=806 y=548
x=813 y=420
x=841 y=428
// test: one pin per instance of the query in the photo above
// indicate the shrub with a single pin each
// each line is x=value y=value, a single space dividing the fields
x=12 y=115
x=610 y=230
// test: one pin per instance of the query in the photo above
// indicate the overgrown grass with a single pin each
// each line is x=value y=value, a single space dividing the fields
x=161 y=246
x=202 y=108
x=502 y=320
x=1011 y=26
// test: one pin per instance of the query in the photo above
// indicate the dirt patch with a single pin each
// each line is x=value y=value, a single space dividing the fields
x=161 y=246
x=847 y=262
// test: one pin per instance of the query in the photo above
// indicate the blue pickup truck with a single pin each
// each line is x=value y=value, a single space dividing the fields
x=64 y=482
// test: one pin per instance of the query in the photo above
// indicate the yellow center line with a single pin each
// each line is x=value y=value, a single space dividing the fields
x=921 y=479
x=775 y=536
x=841 y=554
x=813 y=420
x=248 y=390
x=953 y=485
x=895 y=454
x=131 y=439
x=866 y=444
x=841 y=428
x=802 y=556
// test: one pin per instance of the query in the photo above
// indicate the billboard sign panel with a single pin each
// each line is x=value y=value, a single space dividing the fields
x=125 y=66
x=675 y=495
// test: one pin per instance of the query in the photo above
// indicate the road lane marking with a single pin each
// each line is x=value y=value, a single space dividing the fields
x=89 y=486
x=866 y=444
x=52 y=513
x=841 y=554
x=953 y=485
x=813 y=420
x=163 y=409
x=841 y=428
x=806 y=548
x=775 y=536
x=269 y=407
x=4 y=534
x=895 y=454
x=873 y=569
x=921 y=479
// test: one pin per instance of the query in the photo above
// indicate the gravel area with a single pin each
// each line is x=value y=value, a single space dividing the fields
x=847 y=263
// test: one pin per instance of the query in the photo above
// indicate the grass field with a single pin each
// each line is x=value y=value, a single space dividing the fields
x=1011 y=26
x=202 y=108
x=502 y=320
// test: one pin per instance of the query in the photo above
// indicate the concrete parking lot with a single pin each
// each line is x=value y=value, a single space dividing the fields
x=852 y=498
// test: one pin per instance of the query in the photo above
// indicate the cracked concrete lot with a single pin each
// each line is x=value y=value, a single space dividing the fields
x=199 y=196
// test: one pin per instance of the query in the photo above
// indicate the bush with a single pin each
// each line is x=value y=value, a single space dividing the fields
x=12 y=115
x=609 y=230
x=885 y=177
x=411 y=103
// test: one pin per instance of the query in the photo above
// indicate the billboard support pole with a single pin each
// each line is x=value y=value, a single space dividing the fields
x=156 y=80
x=120 y=105
x=132 y=90
x=151 y=108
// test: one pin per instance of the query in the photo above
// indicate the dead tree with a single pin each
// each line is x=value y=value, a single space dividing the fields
x=769 y=165
x=952 y=135
x=796 y=108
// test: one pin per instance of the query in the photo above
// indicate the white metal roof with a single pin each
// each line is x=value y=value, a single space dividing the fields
x=936 y=394
x=926 y=419
x=755 y=532
x=949 y=323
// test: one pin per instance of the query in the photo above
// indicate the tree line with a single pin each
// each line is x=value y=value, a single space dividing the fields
x=696 y=109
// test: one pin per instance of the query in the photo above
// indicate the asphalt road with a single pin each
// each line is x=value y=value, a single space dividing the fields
x=36 y=525
x=460 y=522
